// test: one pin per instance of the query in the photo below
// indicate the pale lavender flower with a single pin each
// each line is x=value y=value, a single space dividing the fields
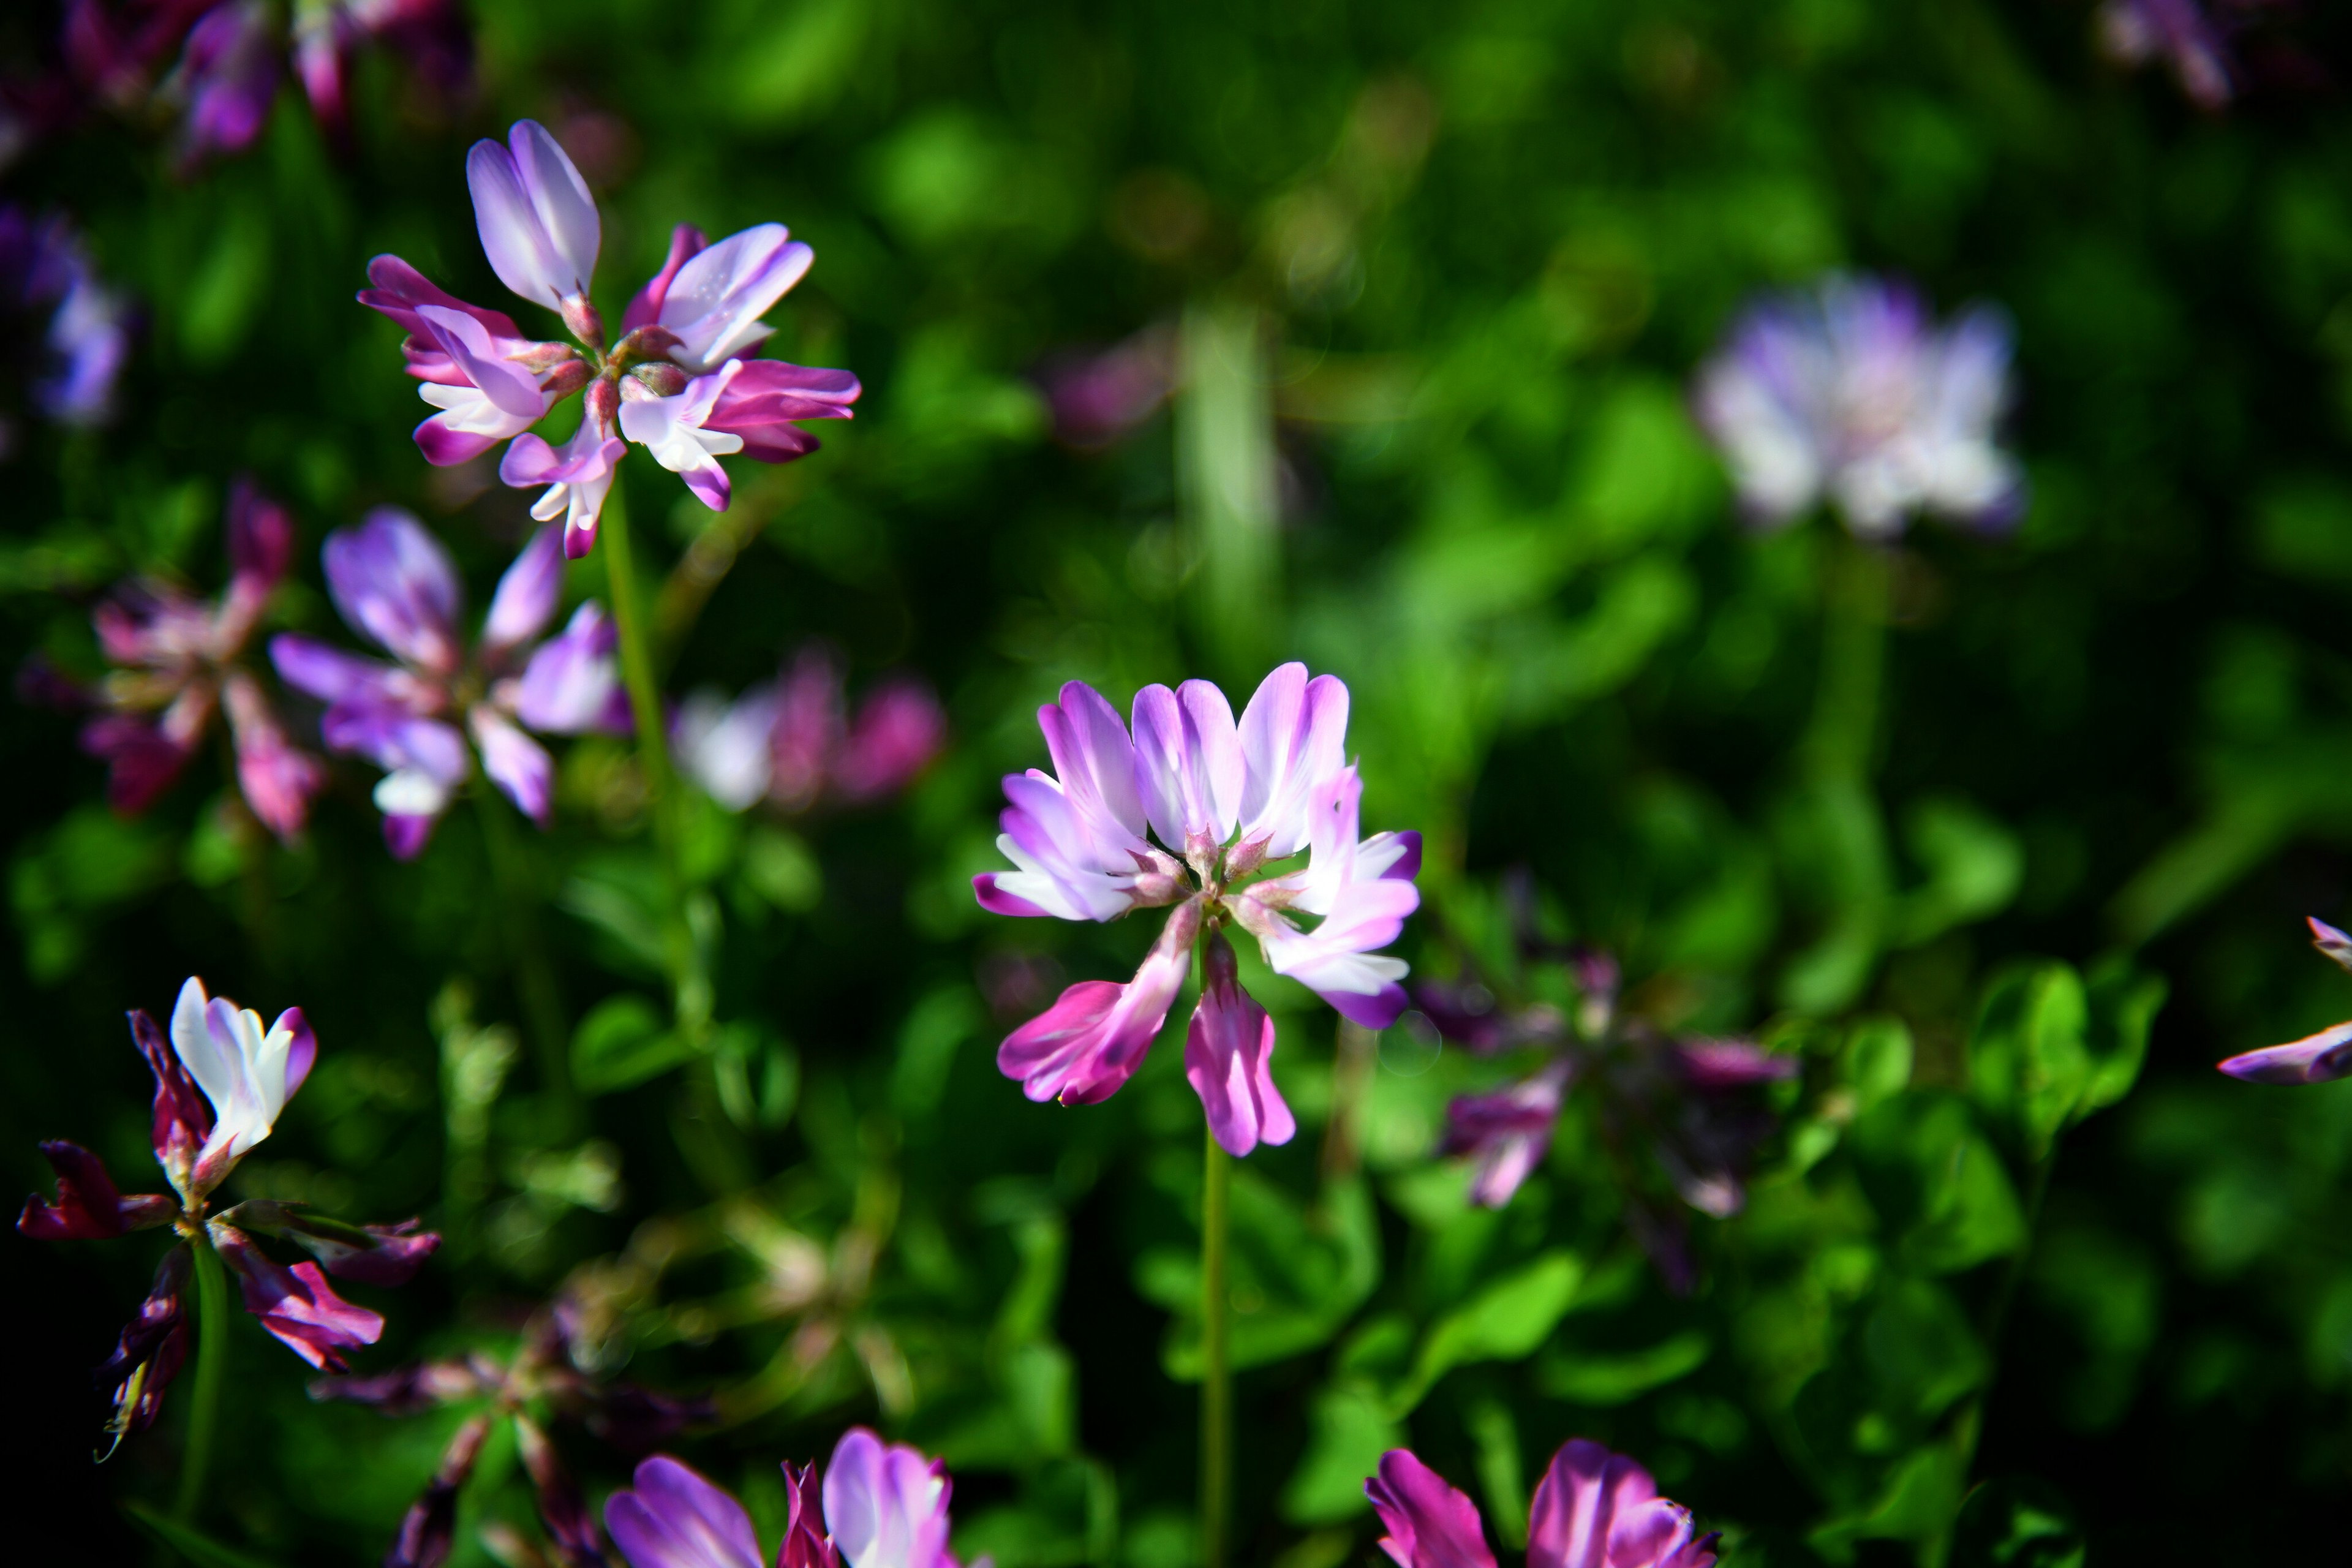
x=73 y=331
x=790 y=741
x=1224 y=800
x=221 y=1082
x=178 y=660
x=884 y=1506
x=679 y=383
x=2321 y=1057
x=1849 y=392
x=1592 y=1508
x=2178 y=33
x=396 y=586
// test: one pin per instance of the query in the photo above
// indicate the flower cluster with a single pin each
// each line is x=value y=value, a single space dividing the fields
x=71 y=332
x=1592 y=1508
x=246 y=1075
x=679 y=383
x=231 y=53
x=2321 y=1057
x=543 y=1372
x=1849 y=391
x=1687 y=1101
x=790 y=741
x=1226 y=802
x=884 y=1505
x=396 y=586
x=178 y=660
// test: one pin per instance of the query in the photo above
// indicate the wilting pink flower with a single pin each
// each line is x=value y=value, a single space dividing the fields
x=396 y=586
x=886 y=1506
x=1849 y=392
x=2321 y=1057
x=221 y=1081
x=178 y=660
x=790 y=742
x=1224 y=800
x=1593 y=1509
x=680 y=381
x=71 y=332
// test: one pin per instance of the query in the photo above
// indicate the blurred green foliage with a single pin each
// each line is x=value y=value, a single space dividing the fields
x=1441 y=276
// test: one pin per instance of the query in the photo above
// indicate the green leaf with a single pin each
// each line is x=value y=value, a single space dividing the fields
x=2124 y=1004
x=1508 y=1319
x=2030 y=1063
x=1974 y=865
x=2017 y=1523
x=1348 y=1428
x=1938 y=1186
x=1921 y=1353
x=1299 y=1272
x=621 y=1042
x=1600 y=1380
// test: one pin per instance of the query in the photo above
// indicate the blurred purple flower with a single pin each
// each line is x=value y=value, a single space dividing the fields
x=788 y=741
x=679 y=383
x=225 y=81
x=1096 y=399
x=178 y=659
x=886 y=1506
x=2321 y=1057
x=327 y=35
x=221 y=1081
x=1593 y=1509
x=1849 y=392
x=396 y=586
x=1228 y=799
x=2179 y=33
x=73 y=330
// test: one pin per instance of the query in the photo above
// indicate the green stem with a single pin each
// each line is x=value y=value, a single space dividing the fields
x=1216 y=1372
x=543 y=1003
x=212 y=1359
x=1845 y=727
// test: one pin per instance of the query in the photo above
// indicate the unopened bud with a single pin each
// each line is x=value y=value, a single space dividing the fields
x=580 y=320
x=540 y=357
x=570 y=377
x=604 y=402
x=666 y=379
x=650 y=341
x=1247 y=856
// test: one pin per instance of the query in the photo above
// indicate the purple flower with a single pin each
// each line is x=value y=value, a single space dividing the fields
x=1507 y=1132
x=1224 y=800
x=225 y=80
x=396 y=586
x=678 y=382
x=886 y=1506
x=328 y=33
x=789 y=741
x=1593 y=1509
x=177 y=661
x=2321 y=1057
x=2179 y=33
x=1096 y=399
x=1849 y=392
x=73 y=330
x=221 y=1081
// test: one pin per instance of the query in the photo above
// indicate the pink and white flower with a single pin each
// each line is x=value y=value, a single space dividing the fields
x=1224 y=800
x=885 y=1505
x=1593 y=1509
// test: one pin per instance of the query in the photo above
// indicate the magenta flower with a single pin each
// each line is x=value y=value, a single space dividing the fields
x=884 y=1506
x=72 y=332
x=1224 y=801
x=1593 y=1509
x=178 y=660
x=2321 y=1057
x=221 y=1082
x=396 y=586
x=1849 y=392
x=790 y=741
x=680 y=383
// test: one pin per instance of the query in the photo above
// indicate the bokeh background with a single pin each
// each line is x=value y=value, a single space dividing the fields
x=1439 y=277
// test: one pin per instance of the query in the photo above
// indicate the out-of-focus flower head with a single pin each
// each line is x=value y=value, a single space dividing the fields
x=1689 y=1104
x=790 y=741
x=177 y=661
x=1849 y=392
x=221 y=1082
x=1593 y=1509
x=1097 y=397
x=681 y=382
x=541 y=1373
x=884 y=1505
x=2321 y=1057
x=397 y=587
x=1225 y=801
x=70 y=332
x=2181 y=34
x=231 y=54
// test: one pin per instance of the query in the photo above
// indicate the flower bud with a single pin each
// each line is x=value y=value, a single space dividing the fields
x=666 y=379
x=570 y=377
x=604 y=402
x=580 y=320
x=650 y=341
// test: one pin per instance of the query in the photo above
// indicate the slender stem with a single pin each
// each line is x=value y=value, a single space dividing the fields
x=543 y=1002
x=1216 y=1372
x=212 y=1358
x=1854 y=657
x=1351 y=1079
